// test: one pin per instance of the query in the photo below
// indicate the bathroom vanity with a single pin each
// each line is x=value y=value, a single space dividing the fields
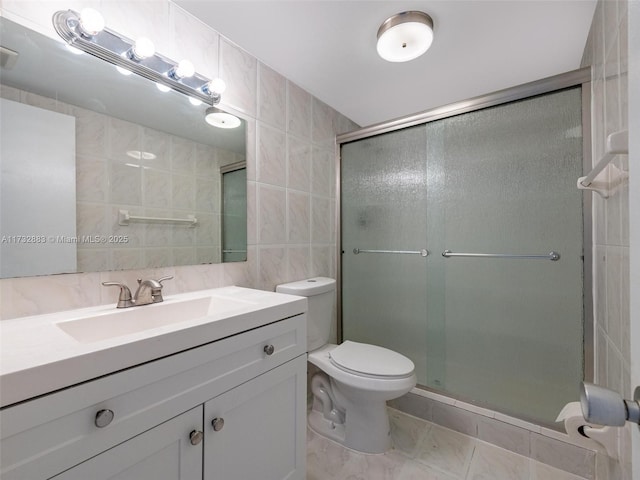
x=135 y=393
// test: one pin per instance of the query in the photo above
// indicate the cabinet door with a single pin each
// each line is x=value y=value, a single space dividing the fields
x=162 y=453
x=257 y=430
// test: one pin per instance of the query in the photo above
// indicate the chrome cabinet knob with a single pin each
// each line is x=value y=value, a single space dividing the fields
x=217 y=424
x=195 y=437
x=103 y=418
x=269 y=349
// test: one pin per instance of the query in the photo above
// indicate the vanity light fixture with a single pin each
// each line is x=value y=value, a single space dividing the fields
x=90 y=22
x=215 y=88
x=184 y=69
x=405 y=36
x=141 y=49
x=218 y=118
x=86 y=31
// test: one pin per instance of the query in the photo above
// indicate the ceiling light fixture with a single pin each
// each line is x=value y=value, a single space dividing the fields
x=86 y=32
x=218 y=118
x=405 y=36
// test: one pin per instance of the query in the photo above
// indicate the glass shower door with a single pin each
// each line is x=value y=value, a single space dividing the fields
x=505 y=333
x=384 y=202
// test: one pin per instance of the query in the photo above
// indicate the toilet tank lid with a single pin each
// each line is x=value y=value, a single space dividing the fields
x=306 y=288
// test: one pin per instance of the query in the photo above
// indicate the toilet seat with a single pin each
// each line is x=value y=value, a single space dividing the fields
x=370 y=361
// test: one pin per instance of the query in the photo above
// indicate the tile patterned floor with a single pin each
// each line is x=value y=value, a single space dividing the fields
x=424 y=451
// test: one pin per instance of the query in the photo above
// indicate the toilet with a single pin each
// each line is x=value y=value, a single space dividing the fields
x=356 y=379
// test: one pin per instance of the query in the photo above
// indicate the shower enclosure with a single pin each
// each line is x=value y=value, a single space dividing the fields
x=462 y=247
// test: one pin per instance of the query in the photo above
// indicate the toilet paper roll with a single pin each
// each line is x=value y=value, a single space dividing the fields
x=576 y=427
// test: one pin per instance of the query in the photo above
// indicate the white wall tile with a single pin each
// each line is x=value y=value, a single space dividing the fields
x=271 y=215
x=272 y=97
x=298 y=217
x=298 y=164
x=271 y=156
x=194 y=41
x=239 y=70
x=298 y=111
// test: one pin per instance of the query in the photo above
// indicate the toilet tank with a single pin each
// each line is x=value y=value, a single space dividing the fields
x=320 y=293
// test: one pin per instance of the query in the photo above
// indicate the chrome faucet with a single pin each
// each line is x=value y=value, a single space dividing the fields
x=149 y=291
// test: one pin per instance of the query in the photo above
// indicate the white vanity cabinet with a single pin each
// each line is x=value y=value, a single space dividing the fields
x=253 y=383
x=162 y=453
x=248 y=430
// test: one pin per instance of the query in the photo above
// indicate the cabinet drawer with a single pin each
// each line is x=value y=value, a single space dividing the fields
x=47 y=435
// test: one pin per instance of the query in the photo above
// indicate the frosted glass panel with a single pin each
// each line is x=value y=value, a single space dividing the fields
x=503 y=333
x=234 y=216
x=384 y=199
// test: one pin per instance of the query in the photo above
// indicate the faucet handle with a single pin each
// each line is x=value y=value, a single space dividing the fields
x=157 y=294
x=124 y=299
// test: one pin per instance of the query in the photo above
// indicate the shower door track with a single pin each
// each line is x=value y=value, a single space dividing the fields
x=580 y=77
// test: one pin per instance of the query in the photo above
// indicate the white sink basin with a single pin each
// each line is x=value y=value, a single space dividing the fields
x=125 y=321
x=44 y=353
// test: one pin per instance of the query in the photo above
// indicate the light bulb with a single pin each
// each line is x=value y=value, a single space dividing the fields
x=162 y=88
x=142 y=49
x=184 y=69
x=216 y=86
x=91 y=22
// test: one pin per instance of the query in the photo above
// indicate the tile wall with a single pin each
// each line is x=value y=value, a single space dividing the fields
x=290 y=164
x=607 y=52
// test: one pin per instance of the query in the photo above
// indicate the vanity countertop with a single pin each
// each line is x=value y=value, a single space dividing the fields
x=38 y=355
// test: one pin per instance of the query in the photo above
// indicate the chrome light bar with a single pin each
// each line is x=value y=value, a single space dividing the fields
x=114 y=48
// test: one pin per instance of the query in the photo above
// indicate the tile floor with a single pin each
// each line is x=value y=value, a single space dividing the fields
x=424 y=451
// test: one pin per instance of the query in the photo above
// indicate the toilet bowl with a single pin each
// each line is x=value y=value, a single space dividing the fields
x=355 y=379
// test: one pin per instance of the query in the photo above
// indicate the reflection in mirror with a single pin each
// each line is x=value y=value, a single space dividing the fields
x=81 y=142
x=234 y=212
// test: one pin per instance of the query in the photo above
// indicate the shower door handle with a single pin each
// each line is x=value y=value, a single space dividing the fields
x=553 y=256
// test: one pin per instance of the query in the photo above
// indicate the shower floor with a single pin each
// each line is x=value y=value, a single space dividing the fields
x=424 y=451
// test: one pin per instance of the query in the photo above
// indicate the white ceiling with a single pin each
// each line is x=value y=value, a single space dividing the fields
x=328 y=47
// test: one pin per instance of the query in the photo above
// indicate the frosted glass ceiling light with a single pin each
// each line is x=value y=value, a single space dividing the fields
x=220 y=119
x=405 y=36
x=87 y=32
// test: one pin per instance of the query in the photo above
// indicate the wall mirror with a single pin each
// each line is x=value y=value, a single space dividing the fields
x=102 y=171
